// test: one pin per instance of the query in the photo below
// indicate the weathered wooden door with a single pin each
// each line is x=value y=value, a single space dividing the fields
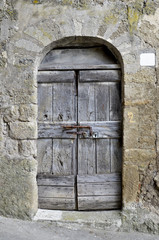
x=79 y=145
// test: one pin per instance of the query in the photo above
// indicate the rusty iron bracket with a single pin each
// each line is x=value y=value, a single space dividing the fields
x=67 y=127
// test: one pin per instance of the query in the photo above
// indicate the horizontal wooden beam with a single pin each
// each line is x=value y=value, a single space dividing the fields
x=55 y=76
x=47 y=67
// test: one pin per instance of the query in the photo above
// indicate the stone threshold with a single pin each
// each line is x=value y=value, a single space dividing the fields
x=107 y=220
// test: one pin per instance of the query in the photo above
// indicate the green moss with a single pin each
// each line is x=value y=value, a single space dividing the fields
x=46 y=34
x=110 y=19
x=133 y=18
x=12 y=14
x=67 y=2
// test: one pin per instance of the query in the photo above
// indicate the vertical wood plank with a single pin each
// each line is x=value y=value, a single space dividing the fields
x=44 y=147
x=116 y=155
x=44 y=102
x=103 y=156
x=63 y=156
x=86 y=102
x=64 y=102
x=115 y=102
x=86 y=156
x=102 y=101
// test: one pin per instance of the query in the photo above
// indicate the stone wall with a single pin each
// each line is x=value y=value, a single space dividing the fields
x=29 y=29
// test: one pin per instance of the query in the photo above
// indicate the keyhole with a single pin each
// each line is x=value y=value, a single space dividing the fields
x=95 y=135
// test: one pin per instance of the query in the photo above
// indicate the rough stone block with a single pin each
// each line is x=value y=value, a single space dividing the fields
x=130 y=183
x=131 y=127
x=26 y=95
x=148 y=27
x=144 y=75
x=23 y=130
x=28 y=45
x=147 y=126
x=11 y=114
x=18 y=189
x=133 y=92
x=11 y=146
x=139 y=157
x=28 y=112
x=157 y=99
x=28 y=148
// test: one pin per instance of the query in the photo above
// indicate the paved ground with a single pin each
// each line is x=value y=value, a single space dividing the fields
x=13 y=229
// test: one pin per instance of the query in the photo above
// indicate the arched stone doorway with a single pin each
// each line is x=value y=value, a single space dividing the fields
x=79 y=129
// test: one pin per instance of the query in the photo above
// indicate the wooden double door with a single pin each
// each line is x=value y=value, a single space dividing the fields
x=79 y=139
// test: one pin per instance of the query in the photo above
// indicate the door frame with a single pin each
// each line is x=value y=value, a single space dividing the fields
x=117 y=55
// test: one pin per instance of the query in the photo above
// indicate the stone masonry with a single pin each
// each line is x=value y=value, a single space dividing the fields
x=28 y=30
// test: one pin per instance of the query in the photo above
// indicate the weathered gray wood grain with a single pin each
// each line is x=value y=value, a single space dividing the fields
x=86 y=56
x=100 y=76
x=64 y=102
x=115 y=102
x=103 y=156
x=99 y=178
x=44 y=150
x=99 y=189
x=56 y=192
x=48 y=130
x=102 y=101
x=57 y=203
x=44 y=102
x=86 y=102
x=63 y=156
x=50 y=67
x=56 y=76
x=86 y=156
x=99 y=202
x=50 y=180
x=109 y=129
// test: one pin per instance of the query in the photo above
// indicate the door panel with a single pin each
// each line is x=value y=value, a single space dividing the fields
x=56 y=148
x=79 y=145
x=102 y=102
